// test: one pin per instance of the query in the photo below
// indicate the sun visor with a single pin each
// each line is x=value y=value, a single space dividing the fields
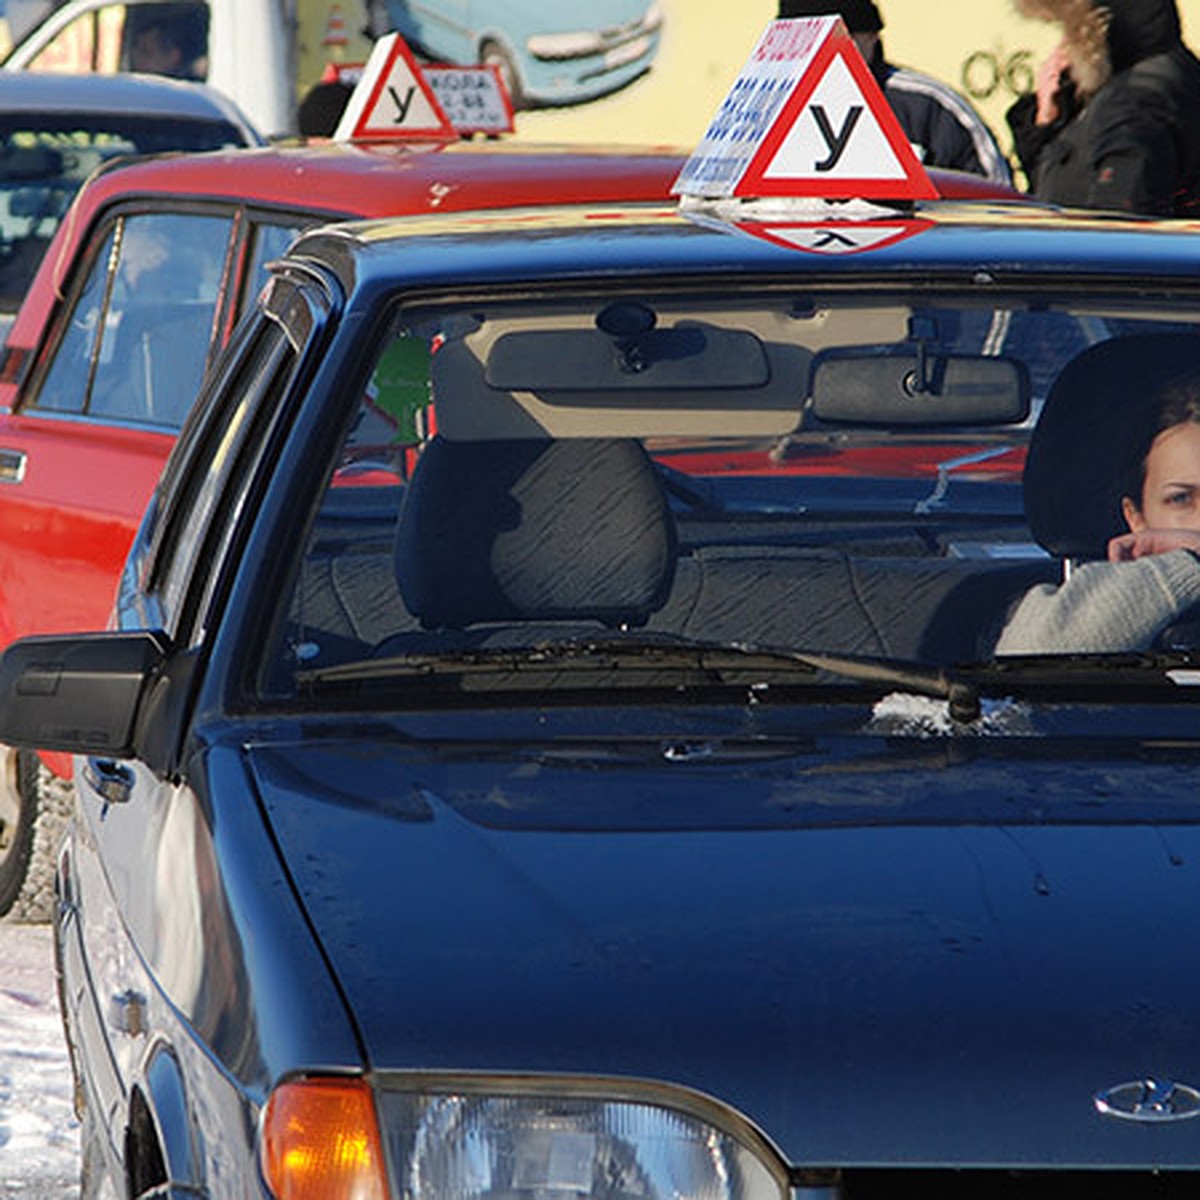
x=560 y=379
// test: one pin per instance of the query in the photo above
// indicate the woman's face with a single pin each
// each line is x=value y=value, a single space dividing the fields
x=1171 y=494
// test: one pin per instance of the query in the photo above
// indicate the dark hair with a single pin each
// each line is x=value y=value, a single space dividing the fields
x=322 y=107
x=184 y=25
x=861 y=16
x=1177 y=403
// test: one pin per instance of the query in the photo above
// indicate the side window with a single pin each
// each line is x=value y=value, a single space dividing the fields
x=208 y=482
x=139 y=335
x=167 y=39
x=65 y=387
x=269 y=242
x=89 y=44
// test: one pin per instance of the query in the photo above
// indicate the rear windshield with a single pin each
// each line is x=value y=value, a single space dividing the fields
x=45 y=159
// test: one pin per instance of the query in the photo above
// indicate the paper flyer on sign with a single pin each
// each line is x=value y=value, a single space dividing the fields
x=750 y=108
x=473 y=98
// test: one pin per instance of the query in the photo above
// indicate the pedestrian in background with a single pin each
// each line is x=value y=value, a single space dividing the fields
x=944 y=128
x=1115 y=119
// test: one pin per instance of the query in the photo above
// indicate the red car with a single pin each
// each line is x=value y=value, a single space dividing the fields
x=141 y=287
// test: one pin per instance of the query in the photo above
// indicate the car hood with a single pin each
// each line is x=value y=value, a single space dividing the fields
x=869 y=978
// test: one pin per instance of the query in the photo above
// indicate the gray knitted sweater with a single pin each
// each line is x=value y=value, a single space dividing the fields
x=1104 y=607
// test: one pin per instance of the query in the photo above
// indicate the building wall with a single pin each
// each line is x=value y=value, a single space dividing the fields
x=980 y=46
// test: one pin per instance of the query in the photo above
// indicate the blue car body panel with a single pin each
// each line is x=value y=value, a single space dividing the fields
x=733 y=928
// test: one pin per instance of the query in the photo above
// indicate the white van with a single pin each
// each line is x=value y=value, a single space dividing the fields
x=244 y=48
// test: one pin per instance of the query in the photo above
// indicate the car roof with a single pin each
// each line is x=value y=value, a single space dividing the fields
x=126 y=95
x=379 y=179
x=974 y=244
x=369 y=179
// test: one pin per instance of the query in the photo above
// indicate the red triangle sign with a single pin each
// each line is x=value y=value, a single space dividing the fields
x=393 y=99
x=806 y=118
x=835 y=237
x=836 y=136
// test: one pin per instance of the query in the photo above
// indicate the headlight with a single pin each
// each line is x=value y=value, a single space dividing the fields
x=520 y=1141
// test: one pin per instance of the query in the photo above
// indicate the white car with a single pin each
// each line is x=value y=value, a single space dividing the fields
x=242 y=47
x=56 y=131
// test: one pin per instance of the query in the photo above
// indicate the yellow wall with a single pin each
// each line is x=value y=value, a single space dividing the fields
x=980 y=46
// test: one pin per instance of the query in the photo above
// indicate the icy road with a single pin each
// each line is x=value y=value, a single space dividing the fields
x=39 y=1136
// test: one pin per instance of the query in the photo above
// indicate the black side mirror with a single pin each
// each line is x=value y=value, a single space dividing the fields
x=80 y=693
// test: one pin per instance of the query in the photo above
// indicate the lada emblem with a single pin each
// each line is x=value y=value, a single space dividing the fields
x=1150 y=1101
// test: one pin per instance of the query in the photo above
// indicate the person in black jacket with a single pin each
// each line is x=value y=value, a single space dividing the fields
x=1114 y=122
x=943 y=127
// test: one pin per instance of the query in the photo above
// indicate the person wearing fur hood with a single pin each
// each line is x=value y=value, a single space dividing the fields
x=1115 y=120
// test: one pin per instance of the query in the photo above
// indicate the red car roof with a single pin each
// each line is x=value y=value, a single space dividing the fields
x=390 y=179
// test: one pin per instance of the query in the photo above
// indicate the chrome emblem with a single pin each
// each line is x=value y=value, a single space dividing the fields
x=1151 y=1101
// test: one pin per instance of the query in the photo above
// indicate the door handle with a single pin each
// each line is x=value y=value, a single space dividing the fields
x=12 y=466
x=111 y=781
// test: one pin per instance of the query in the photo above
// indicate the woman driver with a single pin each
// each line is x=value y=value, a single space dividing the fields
x=1153 y=571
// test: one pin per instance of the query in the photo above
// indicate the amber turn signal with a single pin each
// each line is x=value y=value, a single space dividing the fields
x=320 y=1141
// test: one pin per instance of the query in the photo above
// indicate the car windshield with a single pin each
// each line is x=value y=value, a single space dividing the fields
x=638 y=489
x=45 y=157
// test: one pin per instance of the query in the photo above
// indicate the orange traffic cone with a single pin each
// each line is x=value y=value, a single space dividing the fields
x=335 y=39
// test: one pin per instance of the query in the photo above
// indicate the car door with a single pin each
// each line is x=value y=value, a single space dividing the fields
x=97 y=418
x=80 y=456
x=145 y=930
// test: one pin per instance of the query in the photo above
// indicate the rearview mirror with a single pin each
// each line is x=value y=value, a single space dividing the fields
x=918 y=388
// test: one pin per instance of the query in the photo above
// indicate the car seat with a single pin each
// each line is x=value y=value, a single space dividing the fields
x=534 y=530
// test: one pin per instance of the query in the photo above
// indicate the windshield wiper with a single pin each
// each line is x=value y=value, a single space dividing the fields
x=638 y=655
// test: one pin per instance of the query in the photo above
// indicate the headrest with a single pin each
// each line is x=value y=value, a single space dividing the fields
x=1091 y=421
x=534 y=529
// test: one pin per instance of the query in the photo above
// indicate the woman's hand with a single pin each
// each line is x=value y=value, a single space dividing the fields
x=1129 y=546
x=1049 y=84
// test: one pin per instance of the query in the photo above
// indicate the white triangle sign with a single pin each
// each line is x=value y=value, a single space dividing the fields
x=805 y=118
x=392 y=99
x=837 y=136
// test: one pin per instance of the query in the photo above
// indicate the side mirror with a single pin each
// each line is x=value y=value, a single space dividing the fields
x=79 y=693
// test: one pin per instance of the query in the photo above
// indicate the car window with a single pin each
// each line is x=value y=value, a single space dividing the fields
x=65 y=387
x=208 y=476
x=820 y=474
x=138 y=335
x=269 y=242
x=92 y=42
x=170 y=39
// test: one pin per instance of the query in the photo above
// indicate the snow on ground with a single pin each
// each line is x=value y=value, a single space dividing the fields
x=39 y=1136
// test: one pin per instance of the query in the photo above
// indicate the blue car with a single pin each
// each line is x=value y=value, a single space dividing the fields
x=548 y=54
x=574 y=722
